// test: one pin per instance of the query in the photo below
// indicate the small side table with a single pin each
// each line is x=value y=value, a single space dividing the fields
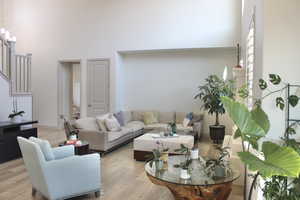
x=82 y=149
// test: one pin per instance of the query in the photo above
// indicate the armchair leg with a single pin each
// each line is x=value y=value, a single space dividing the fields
x=33 y=192
x=97 y=194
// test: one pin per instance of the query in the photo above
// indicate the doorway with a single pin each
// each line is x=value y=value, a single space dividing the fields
x=69 y=90
x=98 y=87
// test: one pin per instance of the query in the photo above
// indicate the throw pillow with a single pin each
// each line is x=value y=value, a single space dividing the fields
x=120 y=117
x=150 y=118
x=45 y=148
x=186 y=122
x=87 y=123
x=101 y=121
x=189 y=116
x=112 y=124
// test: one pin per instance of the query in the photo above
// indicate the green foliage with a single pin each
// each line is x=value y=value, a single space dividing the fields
x=211 y=92
x=275 y=189
x=263 y=84
x=187 y=153
x=275 y=79
x=243 y=92
x=243 y=118
x=280 y=103
x=293 y=100
x=14 y=114
x=278 y=161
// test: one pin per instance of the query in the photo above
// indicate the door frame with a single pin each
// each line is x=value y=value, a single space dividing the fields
x=87 y=81
x=59 y=88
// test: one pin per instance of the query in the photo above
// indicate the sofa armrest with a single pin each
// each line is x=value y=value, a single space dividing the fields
x=96 y=139
x=74 y=174
x=63 y=152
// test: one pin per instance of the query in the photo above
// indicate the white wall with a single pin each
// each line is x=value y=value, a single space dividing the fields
x=168 y=81
x=281 y=52
x=62 y=29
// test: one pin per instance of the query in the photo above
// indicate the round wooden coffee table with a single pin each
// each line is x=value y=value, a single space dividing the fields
x=198 y=187
x=82 y=149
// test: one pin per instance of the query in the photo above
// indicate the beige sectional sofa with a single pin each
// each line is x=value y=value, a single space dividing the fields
x=104 y=140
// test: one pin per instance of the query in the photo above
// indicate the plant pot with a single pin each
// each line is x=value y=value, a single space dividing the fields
x=16 y=119
x=194 y=154
x=184 y=174
x=220 y=171
x=217 y=133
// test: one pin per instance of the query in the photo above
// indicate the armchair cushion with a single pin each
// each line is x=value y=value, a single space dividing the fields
x=45 y=148
x=63 y=152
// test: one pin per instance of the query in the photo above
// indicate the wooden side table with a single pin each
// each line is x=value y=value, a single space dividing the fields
x=82 y=149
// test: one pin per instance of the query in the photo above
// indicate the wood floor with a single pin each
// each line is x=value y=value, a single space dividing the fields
x=122 y=177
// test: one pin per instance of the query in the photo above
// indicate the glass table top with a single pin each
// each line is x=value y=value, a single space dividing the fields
x=198 y=175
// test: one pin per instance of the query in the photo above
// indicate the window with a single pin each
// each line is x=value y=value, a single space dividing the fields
x=250 y=60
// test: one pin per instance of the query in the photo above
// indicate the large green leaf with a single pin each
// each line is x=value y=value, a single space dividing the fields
x=261 y=118
x=279 y=161
x=242 y=118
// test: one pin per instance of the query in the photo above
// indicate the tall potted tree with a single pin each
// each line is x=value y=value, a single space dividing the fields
x=210 y=94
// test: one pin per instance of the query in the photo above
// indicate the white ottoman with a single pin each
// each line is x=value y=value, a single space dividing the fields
x=144 y=144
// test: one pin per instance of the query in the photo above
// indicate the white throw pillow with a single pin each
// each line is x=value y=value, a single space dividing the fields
x=45 y=148
x=112 y=124
x=101 y=121
x=87 y=123
x=186 y=122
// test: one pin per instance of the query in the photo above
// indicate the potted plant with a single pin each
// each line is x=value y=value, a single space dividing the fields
x=159 y=156
x=16 y=116
x=173 y=127
x=210 y=94
x=277 y=164
x=184 y=166
x=219 y=167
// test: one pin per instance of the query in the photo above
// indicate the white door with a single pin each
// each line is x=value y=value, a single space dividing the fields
x=98 y=87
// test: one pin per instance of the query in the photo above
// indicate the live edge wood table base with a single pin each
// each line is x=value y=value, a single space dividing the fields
x=186 y=192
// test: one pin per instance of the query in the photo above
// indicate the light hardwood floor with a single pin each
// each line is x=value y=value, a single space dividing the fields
x=122 y=177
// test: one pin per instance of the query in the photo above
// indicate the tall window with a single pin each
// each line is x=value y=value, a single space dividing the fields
x=250 y=60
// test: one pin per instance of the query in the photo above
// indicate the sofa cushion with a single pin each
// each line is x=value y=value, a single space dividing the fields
x=45 y=148
x=120 y=117
x=127 y=117
x=135 y=125
x=87 y=123
x=112 y=123
x=186 y=122
x=166 y=117
x=114 y=135
x=101 y=121
x=180 y=117
x=137 y=115
x=180 y=127
x=150 y=118
x=156 y=126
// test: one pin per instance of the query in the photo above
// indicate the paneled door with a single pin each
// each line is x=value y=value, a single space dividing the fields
x=98 y=87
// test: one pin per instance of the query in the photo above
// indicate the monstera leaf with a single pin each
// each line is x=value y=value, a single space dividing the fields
x=279 y=161
x=243 y=118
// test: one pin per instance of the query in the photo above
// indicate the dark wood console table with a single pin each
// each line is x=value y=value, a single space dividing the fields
x=9 y=131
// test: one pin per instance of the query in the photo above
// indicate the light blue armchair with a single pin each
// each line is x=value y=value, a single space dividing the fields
x=65 y=177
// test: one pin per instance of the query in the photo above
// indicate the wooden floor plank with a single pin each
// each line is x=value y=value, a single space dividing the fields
x=122 y=177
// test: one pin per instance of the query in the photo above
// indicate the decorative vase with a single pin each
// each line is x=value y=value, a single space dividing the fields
x=73 y=137
x=220 y=171
x=184 y=174
x=194 y=154
x=159 y=165
x=16 y=119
